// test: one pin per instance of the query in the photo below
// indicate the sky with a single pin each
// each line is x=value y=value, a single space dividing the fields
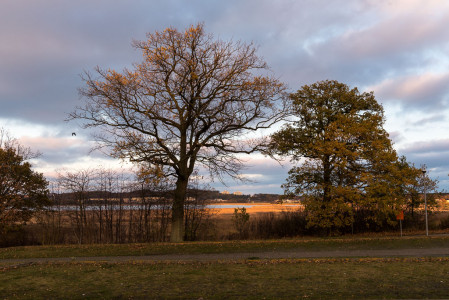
x=397 y=48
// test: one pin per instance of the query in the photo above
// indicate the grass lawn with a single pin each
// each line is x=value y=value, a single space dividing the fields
x=307 y=244
x=250 y=279
x=253 y=278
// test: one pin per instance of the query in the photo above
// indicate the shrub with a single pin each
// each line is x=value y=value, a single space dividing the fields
x=240 y=220
x=284 y=224
x=444 y=223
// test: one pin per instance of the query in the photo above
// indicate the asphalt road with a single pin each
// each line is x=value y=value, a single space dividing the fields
x=292 y=254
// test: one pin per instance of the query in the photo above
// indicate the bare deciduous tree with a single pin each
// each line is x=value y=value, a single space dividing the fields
x=192 y=100
x=78 y=183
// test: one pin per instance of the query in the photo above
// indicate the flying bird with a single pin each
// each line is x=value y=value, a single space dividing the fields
x=73 y=134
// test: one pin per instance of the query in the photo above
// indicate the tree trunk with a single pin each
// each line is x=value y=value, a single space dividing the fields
x=177 y=223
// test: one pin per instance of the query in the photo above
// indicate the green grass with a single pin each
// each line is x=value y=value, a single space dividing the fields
x=250 y=279
x=317 y=244
x=253 y=278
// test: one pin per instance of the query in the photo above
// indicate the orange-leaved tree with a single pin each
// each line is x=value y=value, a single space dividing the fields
x=346 y=160
x=192 y=100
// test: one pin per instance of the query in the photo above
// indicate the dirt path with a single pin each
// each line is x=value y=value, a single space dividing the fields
x=441 y=252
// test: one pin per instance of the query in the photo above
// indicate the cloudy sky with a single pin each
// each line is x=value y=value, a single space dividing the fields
x=397 y=48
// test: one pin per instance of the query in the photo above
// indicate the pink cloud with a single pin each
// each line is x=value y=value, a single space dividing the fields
x=395 y=136
x=399 y=7
x=428 y=87
x=401 y=27
x=52 y=143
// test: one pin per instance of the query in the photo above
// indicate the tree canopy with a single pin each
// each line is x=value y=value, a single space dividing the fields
x=346 y=159
x=192 y=100
x=22 y=191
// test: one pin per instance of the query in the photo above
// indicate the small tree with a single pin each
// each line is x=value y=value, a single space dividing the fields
x=23 y=192
x=416 y=182
x=191 y=101
x=241 y=219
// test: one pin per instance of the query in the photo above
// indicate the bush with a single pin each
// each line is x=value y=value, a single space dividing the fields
x=444 y=223
x=241 y=219
x=12 y=236
x=372 y=221
x=284 y=224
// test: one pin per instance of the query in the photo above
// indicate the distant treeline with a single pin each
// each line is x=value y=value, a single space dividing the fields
x=71 y=198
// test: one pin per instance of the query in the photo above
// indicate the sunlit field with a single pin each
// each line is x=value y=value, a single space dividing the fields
x=254 y=208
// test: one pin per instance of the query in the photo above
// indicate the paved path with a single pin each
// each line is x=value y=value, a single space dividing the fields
x=440 y=252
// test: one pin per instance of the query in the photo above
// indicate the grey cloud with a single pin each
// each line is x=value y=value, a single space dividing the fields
x=437 y=164
x=44 y=50
x=427 y=147
x=431 y=119
x=433 y=154
x=431 y=160
x=265 y=175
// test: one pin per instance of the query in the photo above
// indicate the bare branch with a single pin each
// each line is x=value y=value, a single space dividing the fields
x=189 y=101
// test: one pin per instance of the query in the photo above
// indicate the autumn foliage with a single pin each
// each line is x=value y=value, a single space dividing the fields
x=347 y=165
